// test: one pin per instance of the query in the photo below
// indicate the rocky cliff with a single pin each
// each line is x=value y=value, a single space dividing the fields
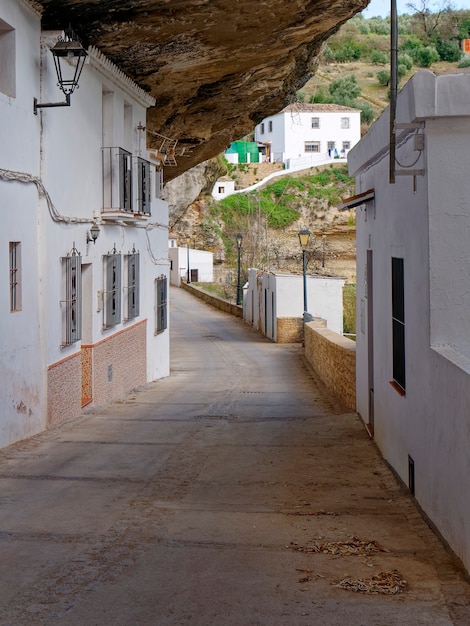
x=216 y=67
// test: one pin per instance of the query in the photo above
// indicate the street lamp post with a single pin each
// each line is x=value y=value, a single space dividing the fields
x=239 y=286
x=304 y=236
x=188 y=241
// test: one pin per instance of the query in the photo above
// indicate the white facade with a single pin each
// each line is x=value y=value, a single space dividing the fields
x=223 y=187
x=270 y=296
x=305 y=134
x=201 y=265
x=61 y=349
x=413 y=346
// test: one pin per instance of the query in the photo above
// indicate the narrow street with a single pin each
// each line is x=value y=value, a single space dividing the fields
x=235 y=492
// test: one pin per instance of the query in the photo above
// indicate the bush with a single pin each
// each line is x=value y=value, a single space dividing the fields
x=378 y=57
x=383 y=77
x=465 y=62
x=367 y=112
x=448 y=51
x=406 y=60
x=345 y=90
x=401 y=70
x=426 y=56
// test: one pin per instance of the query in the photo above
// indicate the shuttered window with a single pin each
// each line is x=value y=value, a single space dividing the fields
x=161 y=307
x=143 y=186
x=125 y=180
x=132 y=293
x=15 y=276
x=398 y=322
x=72 y=303
x=112 y=291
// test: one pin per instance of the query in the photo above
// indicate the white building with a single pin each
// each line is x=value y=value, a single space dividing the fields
x=413 y=296
x=273 y=298
x=306 y=134
x=224 y=187
x=201 y=265
x=82 y=323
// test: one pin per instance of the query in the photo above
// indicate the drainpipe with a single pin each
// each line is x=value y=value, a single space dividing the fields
x=393 y=85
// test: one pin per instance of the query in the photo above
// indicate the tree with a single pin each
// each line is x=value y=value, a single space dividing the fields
x=345 y=90
x=428 y=22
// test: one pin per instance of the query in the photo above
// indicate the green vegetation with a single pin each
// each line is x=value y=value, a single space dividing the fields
x=349 y=309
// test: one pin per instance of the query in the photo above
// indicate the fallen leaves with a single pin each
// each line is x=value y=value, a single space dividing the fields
x=355 y=547
x=384 y=582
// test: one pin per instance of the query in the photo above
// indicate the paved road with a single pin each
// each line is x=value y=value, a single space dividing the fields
x=235 y=492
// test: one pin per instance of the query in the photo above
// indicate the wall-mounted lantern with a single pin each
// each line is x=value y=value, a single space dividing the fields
x=65 y=50
x=93 y=233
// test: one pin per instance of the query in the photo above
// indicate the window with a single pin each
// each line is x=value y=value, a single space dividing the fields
x=158 y=182
x=143 y=186
x=125 y=180
x=7 y=60
x=315 y=122
x=117 y=179
x=15 y=276
x=330 y=146
x=132 y=265
x=270 y=126
x=345 y=122
x=72 y=304
x=161 y=313
x=262 y=128
x=221 y=189
x=312 y=146
x=398 y=322
x=346 y=145
x=112 y=290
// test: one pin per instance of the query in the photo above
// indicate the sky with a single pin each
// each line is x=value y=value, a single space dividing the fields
x=382 y=7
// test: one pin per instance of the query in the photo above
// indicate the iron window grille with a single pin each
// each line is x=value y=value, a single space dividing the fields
x=312 y=146
x=72 y=304
x=161 y=306
x=132 y=290
x=15 y=276
x=112 y=290
x=143 y=186
x=315 y=122
x=345 y=122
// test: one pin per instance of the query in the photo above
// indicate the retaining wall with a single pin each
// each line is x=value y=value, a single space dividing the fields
x=333 y=359
x=215 y=301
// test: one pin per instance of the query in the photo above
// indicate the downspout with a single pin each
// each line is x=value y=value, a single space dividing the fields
x=393 y=85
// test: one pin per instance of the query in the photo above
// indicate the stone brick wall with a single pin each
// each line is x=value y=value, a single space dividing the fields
x=333 y=358
x=215 y=301
x=64 y=390
x=99 y=374
x=289 y=329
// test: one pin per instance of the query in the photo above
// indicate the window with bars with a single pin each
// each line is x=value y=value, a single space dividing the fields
x=315 y=122
x=345 y=122
x=143 y=186
x=346 y=145
x=132 y=291
x=15 y=276
x=112 y=290
x=398 y=322
x=270 y=126
x=161 y=307
x=72 y=303
x=262 y=128
x=312 y=146
x=330 y=145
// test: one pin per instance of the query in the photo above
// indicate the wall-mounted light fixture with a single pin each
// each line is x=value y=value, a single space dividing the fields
x=93 y=234
x=65 y=50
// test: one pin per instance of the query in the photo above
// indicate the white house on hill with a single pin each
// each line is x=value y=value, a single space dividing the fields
x=84 y=237
x=413 y=296
x=309 y=133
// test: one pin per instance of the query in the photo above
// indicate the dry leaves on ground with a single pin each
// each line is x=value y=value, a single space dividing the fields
x=341 y=548
x=384 y=582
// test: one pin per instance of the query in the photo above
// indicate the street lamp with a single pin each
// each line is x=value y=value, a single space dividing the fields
x=67 y=49
x=304 y=236
x=239 y=287
x=188 y=241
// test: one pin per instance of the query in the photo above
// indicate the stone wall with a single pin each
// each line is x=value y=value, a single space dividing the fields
x=215 y=301
x=289 y=329
x=333 y=358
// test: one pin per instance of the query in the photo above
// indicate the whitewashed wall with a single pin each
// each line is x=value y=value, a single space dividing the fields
x=425 y=223
x=200 y=260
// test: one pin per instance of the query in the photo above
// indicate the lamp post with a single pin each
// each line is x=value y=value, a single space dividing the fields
x=304 y=236
x=188 y=241
x=65 y=50
x=239 y=287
